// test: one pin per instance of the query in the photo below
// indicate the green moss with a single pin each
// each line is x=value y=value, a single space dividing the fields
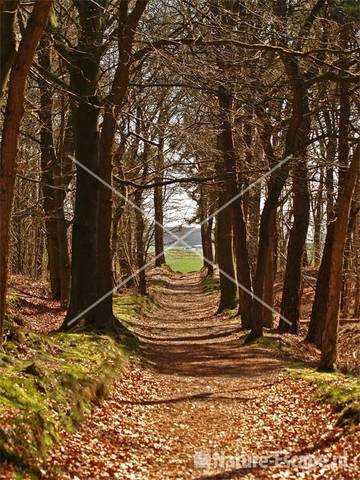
x=129 y=307
x=338 y=389
x=12 y=300
x=48 y=383
x=211 y=285
x=51 y=388
x=269 y=341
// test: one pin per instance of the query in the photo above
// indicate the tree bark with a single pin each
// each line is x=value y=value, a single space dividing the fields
x=8 y=9
x=13 y=115
x=291 y=299
x=140 y=248
x=158 y=205
x=296 y=136
x=318 y=217
x=84 y=69
x=226 y=145
x=126 y=32
x=224 y=254
x=48 y=161
x=343 y=205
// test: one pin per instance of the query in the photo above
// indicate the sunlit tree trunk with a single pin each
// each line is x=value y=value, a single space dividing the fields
x=13 y=115
x=126 y=30
x=48 y=161
x=342 y=209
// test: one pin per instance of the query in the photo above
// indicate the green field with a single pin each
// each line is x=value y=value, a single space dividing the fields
x=184 y=260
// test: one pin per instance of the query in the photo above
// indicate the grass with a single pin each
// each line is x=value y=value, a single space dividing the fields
x=49 y=383
x=338 y=389
x=184 y=260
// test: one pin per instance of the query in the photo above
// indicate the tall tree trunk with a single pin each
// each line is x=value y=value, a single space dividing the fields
x=8 y=9
x=140 y=248
x=343 y=204
x=356 y=308
x=207 y=246
x=63 y=173
x=317 y=319
x=158 y=205
x=269 y=279
x=224 y=254
x=226 y=145
x=290 y=305
x=206 y=211
x=118 y=210
x=84 y=69
x=126 y=31
x=296 y=136
x=48 y=161
x=318 y=217
x=321 y=300
x=13 y=115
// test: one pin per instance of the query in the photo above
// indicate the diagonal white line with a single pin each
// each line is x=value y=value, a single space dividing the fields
x=212 y=215
x=239 y=285
x=179 y=239
x=113 y=290
x=249 y=292
x=236 y=197
x=116 y=192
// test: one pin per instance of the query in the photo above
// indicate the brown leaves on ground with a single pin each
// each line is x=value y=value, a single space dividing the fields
x=153 y=424
x=39 y=312
x=205 y=408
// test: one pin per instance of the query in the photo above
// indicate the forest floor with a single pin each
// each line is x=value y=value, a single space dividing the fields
x=205 y=407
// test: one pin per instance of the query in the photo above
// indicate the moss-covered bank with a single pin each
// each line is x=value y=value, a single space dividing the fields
x=338 y=389
x=48 y=383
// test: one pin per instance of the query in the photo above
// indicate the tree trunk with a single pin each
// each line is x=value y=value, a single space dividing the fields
x=224 y=254
x=63 y=173
x=317 y=319
x=48 y=161
x=296 y=137
x=321 y=300
x=343 y=204
x=356 y=308
x=318 y=217
x=140 y=249
x=290 y=305
x=84 y=69
x=126 y=32
x=158 y=206
x=226 y=146
x=208 y=252
x=13 y=115
x=8 y=9
x=269 y=279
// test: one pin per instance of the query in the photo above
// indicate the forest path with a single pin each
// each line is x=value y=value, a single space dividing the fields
x=202 y=407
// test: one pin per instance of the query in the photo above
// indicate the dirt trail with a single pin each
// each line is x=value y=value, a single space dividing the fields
x=204 y=407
